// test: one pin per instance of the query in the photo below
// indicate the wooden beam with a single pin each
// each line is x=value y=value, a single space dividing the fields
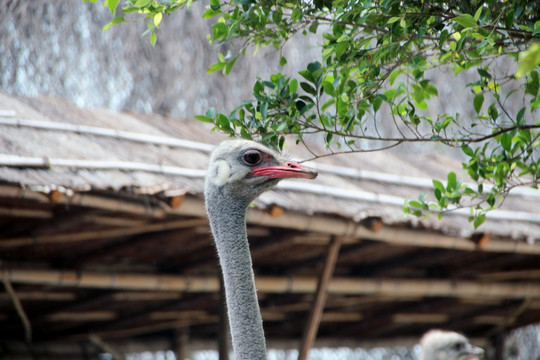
x=100 y=234
x=113 y=220
x=25 y=213
x=149 y=328
x=193 y=206
x=530 y=274
x=488 y=319
x=276 y=284
x=146 y=296
x=420 y=318
x=78 y=316
x=111 y=204
x=314 y=319
x=388 y=234
x=335 y=316
x=41 y=296
x=177 y=315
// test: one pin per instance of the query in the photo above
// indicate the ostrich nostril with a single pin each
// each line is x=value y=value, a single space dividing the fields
x=292 y=164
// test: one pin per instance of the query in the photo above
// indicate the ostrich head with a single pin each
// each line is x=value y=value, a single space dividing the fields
x=243 y=169
x=448 y=345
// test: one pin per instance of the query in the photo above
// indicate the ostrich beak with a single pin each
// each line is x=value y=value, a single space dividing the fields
x=290 y=170
x=474 y=353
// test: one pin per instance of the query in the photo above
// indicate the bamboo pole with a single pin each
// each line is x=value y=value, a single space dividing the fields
x=19 y=309
x=270 y=284
x=107 y=132
x=204 y=147
x=315 y=314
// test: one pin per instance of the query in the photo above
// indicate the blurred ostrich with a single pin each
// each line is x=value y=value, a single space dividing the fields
x=448 y=345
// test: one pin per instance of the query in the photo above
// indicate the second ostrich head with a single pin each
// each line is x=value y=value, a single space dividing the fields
x=448 y=345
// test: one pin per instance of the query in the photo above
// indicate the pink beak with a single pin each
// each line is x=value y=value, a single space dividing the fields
x=290 y=170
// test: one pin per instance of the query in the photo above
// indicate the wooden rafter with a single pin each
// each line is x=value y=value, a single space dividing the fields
x=192 y=206
x=275 y=284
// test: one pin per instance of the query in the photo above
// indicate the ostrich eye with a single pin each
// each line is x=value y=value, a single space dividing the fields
x=459 y=346
x=252 y=157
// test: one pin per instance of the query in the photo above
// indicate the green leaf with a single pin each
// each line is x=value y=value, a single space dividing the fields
x=142 y=3
x=230 y=65
x=153 y=38
x=478 y=13
x=493 y=112
x=209 y=13
x=107 y=27
x=308 y=88
x=465 y=20
x=528 y=60
x=520 y=115
x=438 y=185
x=452 y=181
x=215 y=67
x=480 y=219
x=293 y=86
x=157 y=18
x=467 y=150
x=484 y=73
x=111 y=4
x=117 y=20
x=506 y=141
x=204 y=118
x=478 y=102
x=313 y=27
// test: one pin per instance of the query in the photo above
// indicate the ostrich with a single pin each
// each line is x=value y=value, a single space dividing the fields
x=239 y=171
x=448 y=345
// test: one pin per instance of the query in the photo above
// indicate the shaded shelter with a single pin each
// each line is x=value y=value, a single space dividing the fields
x=105 y=242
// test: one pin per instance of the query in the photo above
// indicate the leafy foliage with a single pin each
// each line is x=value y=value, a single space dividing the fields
x=373 y=82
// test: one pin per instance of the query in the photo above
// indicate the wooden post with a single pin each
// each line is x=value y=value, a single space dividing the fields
x=223 y=328
x=181 y=336
x=312 y=325
x=102 y=345
x=499 y=346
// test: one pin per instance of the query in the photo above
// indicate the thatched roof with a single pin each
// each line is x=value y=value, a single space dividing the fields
x=100 y=207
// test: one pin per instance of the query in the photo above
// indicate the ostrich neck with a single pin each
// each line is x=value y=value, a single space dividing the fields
x=228 y=223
